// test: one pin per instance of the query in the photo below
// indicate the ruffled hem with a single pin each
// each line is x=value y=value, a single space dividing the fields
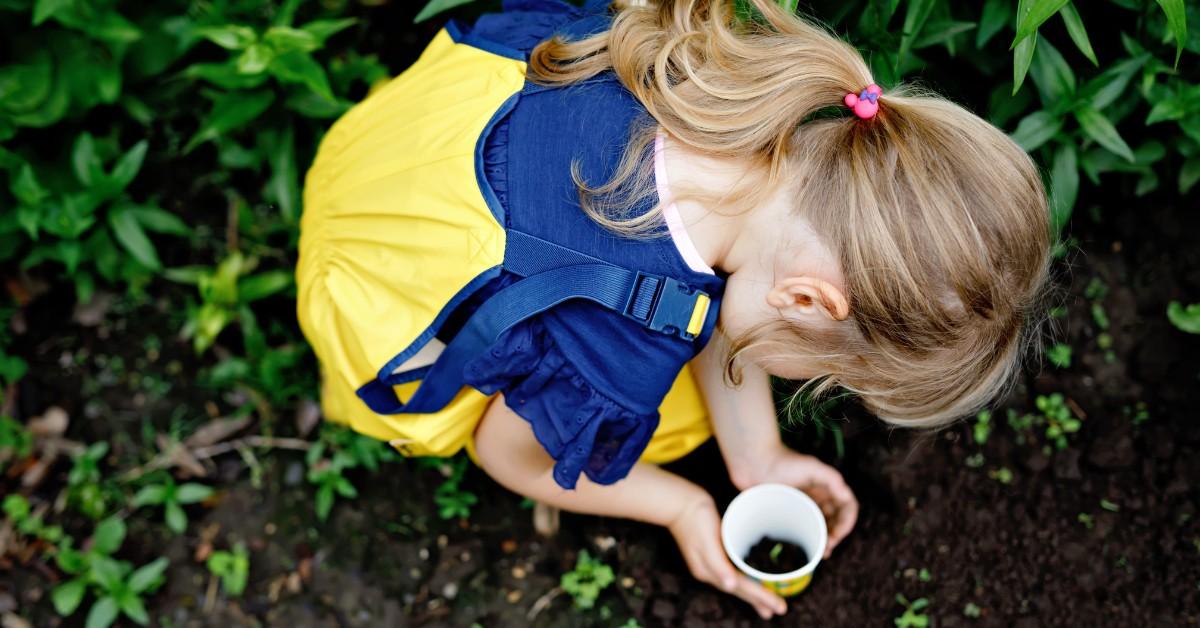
x=581 y=428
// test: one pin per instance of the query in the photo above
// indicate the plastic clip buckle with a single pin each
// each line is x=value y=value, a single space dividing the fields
x=672 y=307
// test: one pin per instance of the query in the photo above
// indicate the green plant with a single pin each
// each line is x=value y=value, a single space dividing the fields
x=585 y=582
x=1184 y=318
x=15 y=441
x=347 y=450
x=225 y=294
x=1060 y=355
x=1110 y=506
x=972 y=610
x=1003 y=475
x=172 y=498
x=451 y=499
x=1087 y=520
x=18 y=510
x=116 y=585
x=913 y=616
x=86 y=488
x=1054 y=416
x=982 y=427
x=233 y=568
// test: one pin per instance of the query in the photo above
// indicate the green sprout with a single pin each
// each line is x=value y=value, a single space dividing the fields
x=913 y=616
x=172 y=498
x=587 y=580
x=233 y=568
x=116 y=585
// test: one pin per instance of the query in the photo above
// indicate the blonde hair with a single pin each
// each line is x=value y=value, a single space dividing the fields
x=938 y=219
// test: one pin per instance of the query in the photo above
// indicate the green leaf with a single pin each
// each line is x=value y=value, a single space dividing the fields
x=1177 y=21
x=1078 y=32
x=255 y=59
x=45 y=9
x=25 y=186
x=1054 y=79
x=1103 y=90
x=231 y=111
x=1189 y=174
x=437 y=6
x=67 y=596
x=1185 y=318
x=85 y=161
x=284 y=185
x=129 y=165
x=150 y=496
x=1167 y=109
x=230 y=36
x=103 y=613
x=1036 y=129
x=1064 y=186
x=941 y=32
x=283 y=39
x=324 y=29
x=914 y=20
x=324 y=501
x=191 y=493
x=1031 y=14
x=1022 y=57
x=159 y=220
x=1100 y=129
x=133 y=608
x=176 y=518
x=106 y=572
x=263 y=285
x=128 y=231
x=299 y=67
x=995 y=15
x=109 y=535
x=148 y=576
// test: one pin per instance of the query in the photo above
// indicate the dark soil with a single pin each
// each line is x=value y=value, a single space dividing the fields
x=770 y=555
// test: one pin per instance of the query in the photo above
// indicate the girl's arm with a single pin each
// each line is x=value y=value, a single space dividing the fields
x=509 y=453
x=743 y=419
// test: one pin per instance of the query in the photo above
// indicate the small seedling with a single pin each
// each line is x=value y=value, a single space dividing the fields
x=587 y=580
x=117 y=586
x=775 y=552
x=974 y=461
x=1060 y=421
x=233 y=568
x=1087 y=520
x=85 y=489
x=1060 y=355
x=18 y=510
x=982 y=427
x=972 y=610
x=15 y=441
x=1184 y=318
x=452 y=501
x=924 y=575
x=1139 y=413
x=347 y=450
x=1003 y=475
x=1110 y=506
x=912 y=617
x=172 y=498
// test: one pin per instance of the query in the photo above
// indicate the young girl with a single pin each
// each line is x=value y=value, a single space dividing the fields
x=578 y=241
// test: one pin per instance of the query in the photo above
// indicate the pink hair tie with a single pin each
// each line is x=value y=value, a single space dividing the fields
x=866 y=103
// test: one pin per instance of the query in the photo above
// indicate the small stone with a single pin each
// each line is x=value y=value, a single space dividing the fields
x=518 y=572
x=514 y=596
x=442 y=541
x=508 y=546
x=269 y=529
x=450 y=591
x=604 y=543
x=465 y=557
x=424 y=553
x=414 y=573
x=627 y=582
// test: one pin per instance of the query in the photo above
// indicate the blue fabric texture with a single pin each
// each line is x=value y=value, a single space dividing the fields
x=589 y=381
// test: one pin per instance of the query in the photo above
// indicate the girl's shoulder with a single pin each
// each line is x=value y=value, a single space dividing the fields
x=523 y=24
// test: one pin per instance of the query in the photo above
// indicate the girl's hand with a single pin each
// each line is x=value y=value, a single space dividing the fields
x=822 y=482
x=697 y=530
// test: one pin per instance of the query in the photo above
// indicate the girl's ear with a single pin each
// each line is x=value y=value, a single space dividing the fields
x=807 y=295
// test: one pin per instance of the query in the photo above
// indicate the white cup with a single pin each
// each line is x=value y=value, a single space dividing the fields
x=780 y=512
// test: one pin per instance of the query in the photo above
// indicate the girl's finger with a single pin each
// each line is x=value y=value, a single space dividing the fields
x=723 y=571
x=766 y=602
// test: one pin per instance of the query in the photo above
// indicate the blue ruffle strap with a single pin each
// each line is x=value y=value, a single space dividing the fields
x=582 y=429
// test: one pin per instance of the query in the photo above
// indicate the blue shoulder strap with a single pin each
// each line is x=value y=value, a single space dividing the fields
x=551 y=274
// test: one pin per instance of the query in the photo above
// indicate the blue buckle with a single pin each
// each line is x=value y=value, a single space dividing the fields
x=662 y=304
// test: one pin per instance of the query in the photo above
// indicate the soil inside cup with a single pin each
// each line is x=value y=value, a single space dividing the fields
x=770 y=555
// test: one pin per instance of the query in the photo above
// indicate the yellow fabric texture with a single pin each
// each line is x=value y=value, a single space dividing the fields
x=395 y=225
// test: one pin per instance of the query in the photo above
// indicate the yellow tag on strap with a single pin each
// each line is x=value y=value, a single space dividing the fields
x=699 y=313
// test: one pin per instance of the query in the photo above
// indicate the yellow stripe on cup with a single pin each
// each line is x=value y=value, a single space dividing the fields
x=787 y=588
x=699 y=312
